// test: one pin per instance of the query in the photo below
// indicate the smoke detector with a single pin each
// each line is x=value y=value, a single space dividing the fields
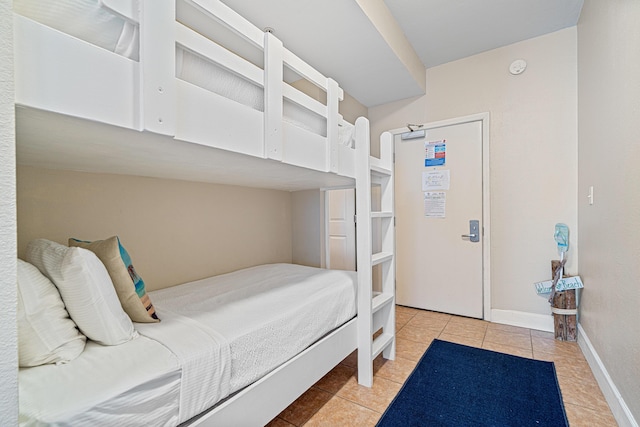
x=518 y=66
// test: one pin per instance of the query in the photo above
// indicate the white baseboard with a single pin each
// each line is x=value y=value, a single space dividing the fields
x=620 y=410
x=541 y=322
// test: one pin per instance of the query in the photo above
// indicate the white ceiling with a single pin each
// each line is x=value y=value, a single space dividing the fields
x=337 y=38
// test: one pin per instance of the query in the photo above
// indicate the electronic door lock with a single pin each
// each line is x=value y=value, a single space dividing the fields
x=474 y=231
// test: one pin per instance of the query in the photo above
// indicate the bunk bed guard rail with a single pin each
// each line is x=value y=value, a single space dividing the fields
x=158 y=65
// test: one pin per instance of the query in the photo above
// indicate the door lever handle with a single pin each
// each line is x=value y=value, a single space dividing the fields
x=474 y=231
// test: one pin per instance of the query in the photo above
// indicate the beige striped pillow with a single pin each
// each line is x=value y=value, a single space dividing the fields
x=130 y=287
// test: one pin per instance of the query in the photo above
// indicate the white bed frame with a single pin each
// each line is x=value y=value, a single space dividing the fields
x=148 y=116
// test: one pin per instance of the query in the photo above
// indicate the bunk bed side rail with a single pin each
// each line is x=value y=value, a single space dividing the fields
x=51 y=75
x=126 y=9
x=200 y=45
x=229 y=18
x=158 y=64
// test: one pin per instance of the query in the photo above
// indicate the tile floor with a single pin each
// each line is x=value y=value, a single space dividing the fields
x=338 y=401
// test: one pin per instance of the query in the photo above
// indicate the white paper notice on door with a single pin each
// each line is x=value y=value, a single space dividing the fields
x=435 y=180
x=435 y=203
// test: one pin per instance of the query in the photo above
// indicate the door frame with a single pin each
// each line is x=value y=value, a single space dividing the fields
x=486 y=196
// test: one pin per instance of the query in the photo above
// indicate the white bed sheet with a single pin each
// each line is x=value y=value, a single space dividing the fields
x=85 y=392
x=267 y=314
x=216 y=336
x=203 y=355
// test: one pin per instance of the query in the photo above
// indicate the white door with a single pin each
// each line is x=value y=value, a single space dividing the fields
x=341 y=242
x=438 y=191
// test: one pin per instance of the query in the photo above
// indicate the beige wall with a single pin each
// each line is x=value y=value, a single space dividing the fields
x=533 y=146
x=175 y=231
x=609 y=152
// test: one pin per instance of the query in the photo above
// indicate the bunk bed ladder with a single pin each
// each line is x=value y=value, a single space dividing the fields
x=376 y=254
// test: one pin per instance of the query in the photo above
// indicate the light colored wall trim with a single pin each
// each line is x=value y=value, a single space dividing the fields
x=540 y=322
x=620 y=410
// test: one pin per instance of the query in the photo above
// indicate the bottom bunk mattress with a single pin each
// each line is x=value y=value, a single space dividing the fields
x=217 y=335
x=135 y=383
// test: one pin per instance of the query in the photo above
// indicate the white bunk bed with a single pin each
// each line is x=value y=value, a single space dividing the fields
x=191 y=90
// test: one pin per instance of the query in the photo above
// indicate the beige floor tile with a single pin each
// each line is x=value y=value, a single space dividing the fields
x=336 y=379
x=582 y=392
x=397 y=370
x=509 y=339
x=411 y=350
x=569 y=366
x=502 y=348
x=417 y=334
x=343 y=413
x=555 y=348
x=279 y=422
x=458 y=339
x=376 y=398
x=426 y=314
x=305 y=406
x=508 y=328
x=401 y=309
x=467 y=330
x=351 y=360
x=425 y=322
x=402 y=318
x=579 y=416
x=469 y=321
x=542 y=334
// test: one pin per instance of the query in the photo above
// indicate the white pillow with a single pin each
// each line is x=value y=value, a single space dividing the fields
x=46 y=334
x=86 y=289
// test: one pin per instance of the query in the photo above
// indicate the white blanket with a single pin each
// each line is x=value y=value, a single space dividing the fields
x=253 y=320
x=203 y=355
x=216 y=336
x=105 y=385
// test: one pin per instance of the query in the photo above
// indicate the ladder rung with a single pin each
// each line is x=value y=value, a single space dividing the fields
x=380 y=343
x=377 y=163
x=381 y=171
x=381 y=257
x=381 y=214
x=381 y=300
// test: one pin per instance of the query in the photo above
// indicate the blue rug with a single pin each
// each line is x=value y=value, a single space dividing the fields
x=456 y=385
